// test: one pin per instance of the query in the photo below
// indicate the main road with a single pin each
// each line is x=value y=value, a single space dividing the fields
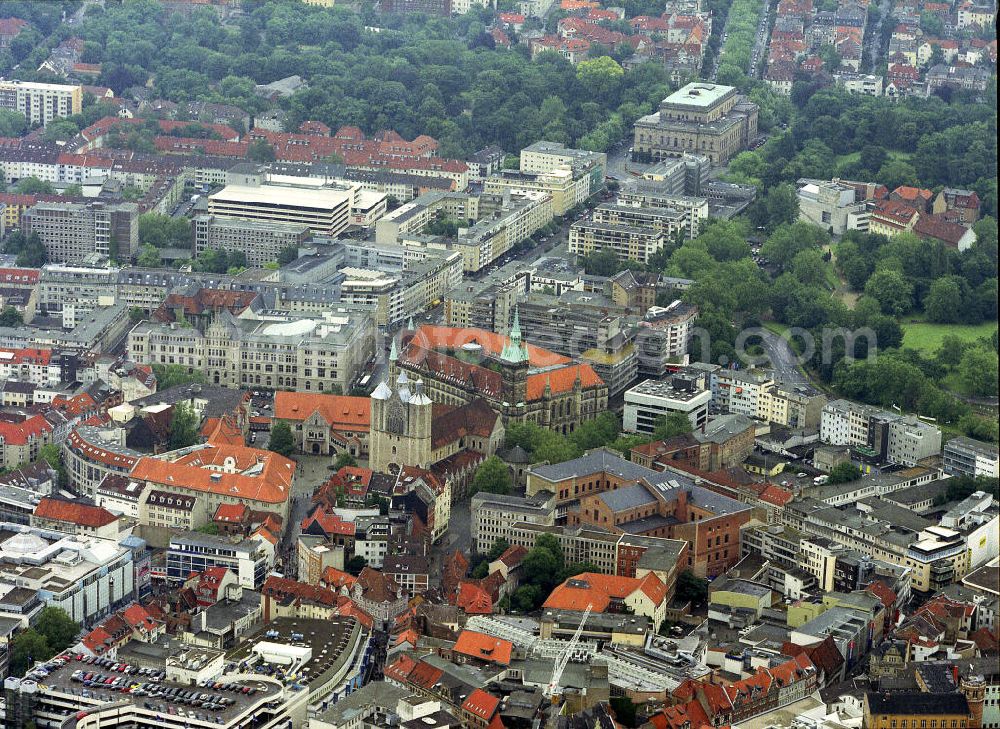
x=784 y=361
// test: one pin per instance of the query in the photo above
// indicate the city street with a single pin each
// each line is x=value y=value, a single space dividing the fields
x=783 y=359
x=312 y=472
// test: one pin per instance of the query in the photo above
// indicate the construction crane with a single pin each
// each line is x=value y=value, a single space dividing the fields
x=563 y=658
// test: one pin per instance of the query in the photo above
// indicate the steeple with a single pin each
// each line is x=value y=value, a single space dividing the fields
x=409 y=323
x=393 y=353
x=515 y=350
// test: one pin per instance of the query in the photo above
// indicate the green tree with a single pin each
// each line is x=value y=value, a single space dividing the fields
x=891 y=290
x=27 y=648
x=625 y=711
x=896 y=172
x=672 y=425
x=288 y=254
x=168 y=376
x=10 y=317
x=788 y=240
x=526 y=598
x=149 y=257
x=51 y=454
x=844 y=473
x=282 y=441
x=344 y=459
x=600 y=78
x=183 y=427
x=978 y=371
x=355 y=564
x=601 y=263
x=499 y=546
x=691 y=588
x=12 y=123
x=943 y=303
x=493 y=477
x=260 y=151
x=34 y=186
x=57 y=627
x=136 y=314
x=809 y=267
x=60 y=130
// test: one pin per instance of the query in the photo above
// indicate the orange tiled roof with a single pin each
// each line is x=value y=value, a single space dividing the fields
x=341 y=412
x=334 y=579
x=473 y=599
x=74 y=512
x=481 y=704
x=22 y=433
x=197 y=471
x=234 y=513
x=484 y=647
x=599 y=590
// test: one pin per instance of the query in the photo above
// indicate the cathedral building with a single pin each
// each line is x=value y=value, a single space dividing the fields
x=520 y=382
x=408 y=429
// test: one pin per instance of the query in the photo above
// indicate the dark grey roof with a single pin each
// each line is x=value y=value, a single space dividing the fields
x=628 y=497
x=917 y=702
x=596 y=461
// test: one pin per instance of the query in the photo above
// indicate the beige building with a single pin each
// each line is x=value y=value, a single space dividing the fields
x=41 y=103
x=568 y=189
x=700 y=118
x=489 y=225
x=71 y=232
x=314 y=353
x=259 y=240
x=627 y=242
x=326 y=211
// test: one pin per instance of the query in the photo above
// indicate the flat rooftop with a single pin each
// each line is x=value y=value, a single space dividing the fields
x=699 y=95
x=60 y=679
x=298 y=197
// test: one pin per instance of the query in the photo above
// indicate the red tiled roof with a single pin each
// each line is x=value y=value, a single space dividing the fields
x=400 y=669
x=18 y=434
x=914 y=194
x=937 y=228
x=74 y=512
x=481 y=704
x=341 y=412
x=473 y=599
x=330 y=522
x=11 y=27
x=28 y=276
x=484 y=647
x=27 y=355
x=599 y=591
x=197 y=472
x=425 y=676
x=234 y=513
x=334 y=579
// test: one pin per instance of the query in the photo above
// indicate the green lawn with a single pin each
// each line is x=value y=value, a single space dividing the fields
x=927 y=337
x=842 y=160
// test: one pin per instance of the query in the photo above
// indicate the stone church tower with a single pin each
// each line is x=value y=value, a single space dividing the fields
x=400 y=426
x=514 y=371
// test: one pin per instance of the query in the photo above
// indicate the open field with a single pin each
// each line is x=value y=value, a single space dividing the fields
x=927 y=337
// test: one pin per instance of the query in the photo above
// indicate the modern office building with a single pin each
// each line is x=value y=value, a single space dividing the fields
x=831 y=205
x=701 y=118
x=326 y=210
x=627 y=242
x=41 y=103
x=260 y=241
x=649 y=401
x=971 y=457
x=72 y=232
x=192 y=552
x=88 y=577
